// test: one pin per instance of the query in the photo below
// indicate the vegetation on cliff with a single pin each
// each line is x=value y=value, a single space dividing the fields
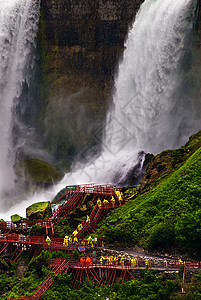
x=162 y=215
x=16 y=218
x=168 y=216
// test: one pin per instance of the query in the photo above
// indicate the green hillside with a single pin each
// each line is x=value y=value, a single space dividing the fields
x=168 y=217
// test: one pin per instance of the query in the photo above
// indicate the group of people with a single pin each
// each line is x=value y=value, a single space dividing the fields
x=112 y=200
x=85 y=261
x=72 y=239
x=115 y=260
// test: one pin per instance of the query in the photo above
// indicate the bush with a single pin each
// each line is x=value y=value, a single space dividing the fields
x=38 y=263
x=162 y=237
x=37 y=230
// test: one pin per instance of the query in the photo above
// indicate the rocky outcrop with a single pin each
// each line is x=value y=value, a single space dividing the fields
x=39 y=210
x=16 y=218
x=81 y=43
x=168 y=161
x=39 y=173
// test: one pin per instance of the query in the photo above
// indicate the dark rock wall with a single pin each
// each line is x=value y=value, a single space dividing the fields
x=81 y=44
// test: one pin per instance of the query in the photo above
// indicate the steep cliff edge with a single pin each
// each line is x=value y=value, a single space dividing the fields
x=81 y=44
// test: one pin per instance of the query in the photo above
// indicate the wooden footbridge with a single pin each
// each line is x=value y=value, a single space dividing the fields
x=66 y=203
x=104 y=273
x=74 y=196
x=13 y=237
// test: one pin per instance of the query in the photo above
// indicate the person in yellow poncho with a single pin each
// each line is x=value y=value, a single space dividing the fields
x=90 y=241
x=66 y=240
x=113 y=201
x=120 y=196
x=105 y=202
x=75 y=239
x=99 y=203
x=48 y=240
x=79 y=227
x=122 y=261
x=117 y=193
x=116 y=260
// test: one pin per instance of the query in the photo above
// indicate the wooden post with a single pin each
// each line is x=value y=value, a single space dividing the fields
x=182 y=290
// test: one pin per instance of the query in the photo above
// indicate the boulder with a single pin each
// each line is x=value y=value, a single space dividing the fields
x=16 y=218
x=39 y=210
x=38 y=172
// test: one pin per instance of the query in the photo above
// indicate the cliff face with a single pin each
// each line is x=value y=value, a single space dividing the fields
x=82 y=42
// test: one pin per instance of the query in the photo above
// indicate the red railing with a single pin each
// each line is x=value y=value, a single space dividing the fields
x=24 y=225
x=87 y=189
x=55 y=243
x=140 y=263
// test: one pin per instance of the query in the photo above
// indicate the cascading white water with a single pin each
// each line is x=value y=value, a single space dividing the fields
x=154 y=103
x=150 y=98
x=18 y=29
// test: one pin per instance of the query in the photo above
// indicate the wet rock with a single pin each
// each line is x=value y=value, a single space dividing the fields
x=38 y=172
x=81 y=43
x=16 y=218
x=168 y=161
x=39 y=210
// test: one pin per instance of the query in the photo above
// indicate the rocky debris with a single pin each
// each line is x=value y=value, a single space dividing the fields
x=61 y=193
x=39 y=210
x=37 y=230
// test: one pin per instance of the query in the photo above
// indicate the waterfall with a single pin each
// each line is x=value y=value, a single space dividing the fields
x=156 y=100
x=18 y=29
x=154 y=106
x=156 y=95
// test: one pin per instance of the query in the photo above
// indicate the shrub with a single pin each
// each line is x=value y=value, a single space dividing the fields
x=162 y=237
x=37 y=230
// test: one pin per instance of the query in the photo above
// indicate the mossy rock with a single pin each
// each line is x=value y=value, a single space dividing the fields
x=16 y=218
x=38 y=172
x=39 y=210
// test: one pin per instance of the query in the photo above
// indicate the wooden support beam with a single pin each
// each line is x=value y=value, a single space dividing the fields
x=114 y=275
x=113 y=272
x=75 y=277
